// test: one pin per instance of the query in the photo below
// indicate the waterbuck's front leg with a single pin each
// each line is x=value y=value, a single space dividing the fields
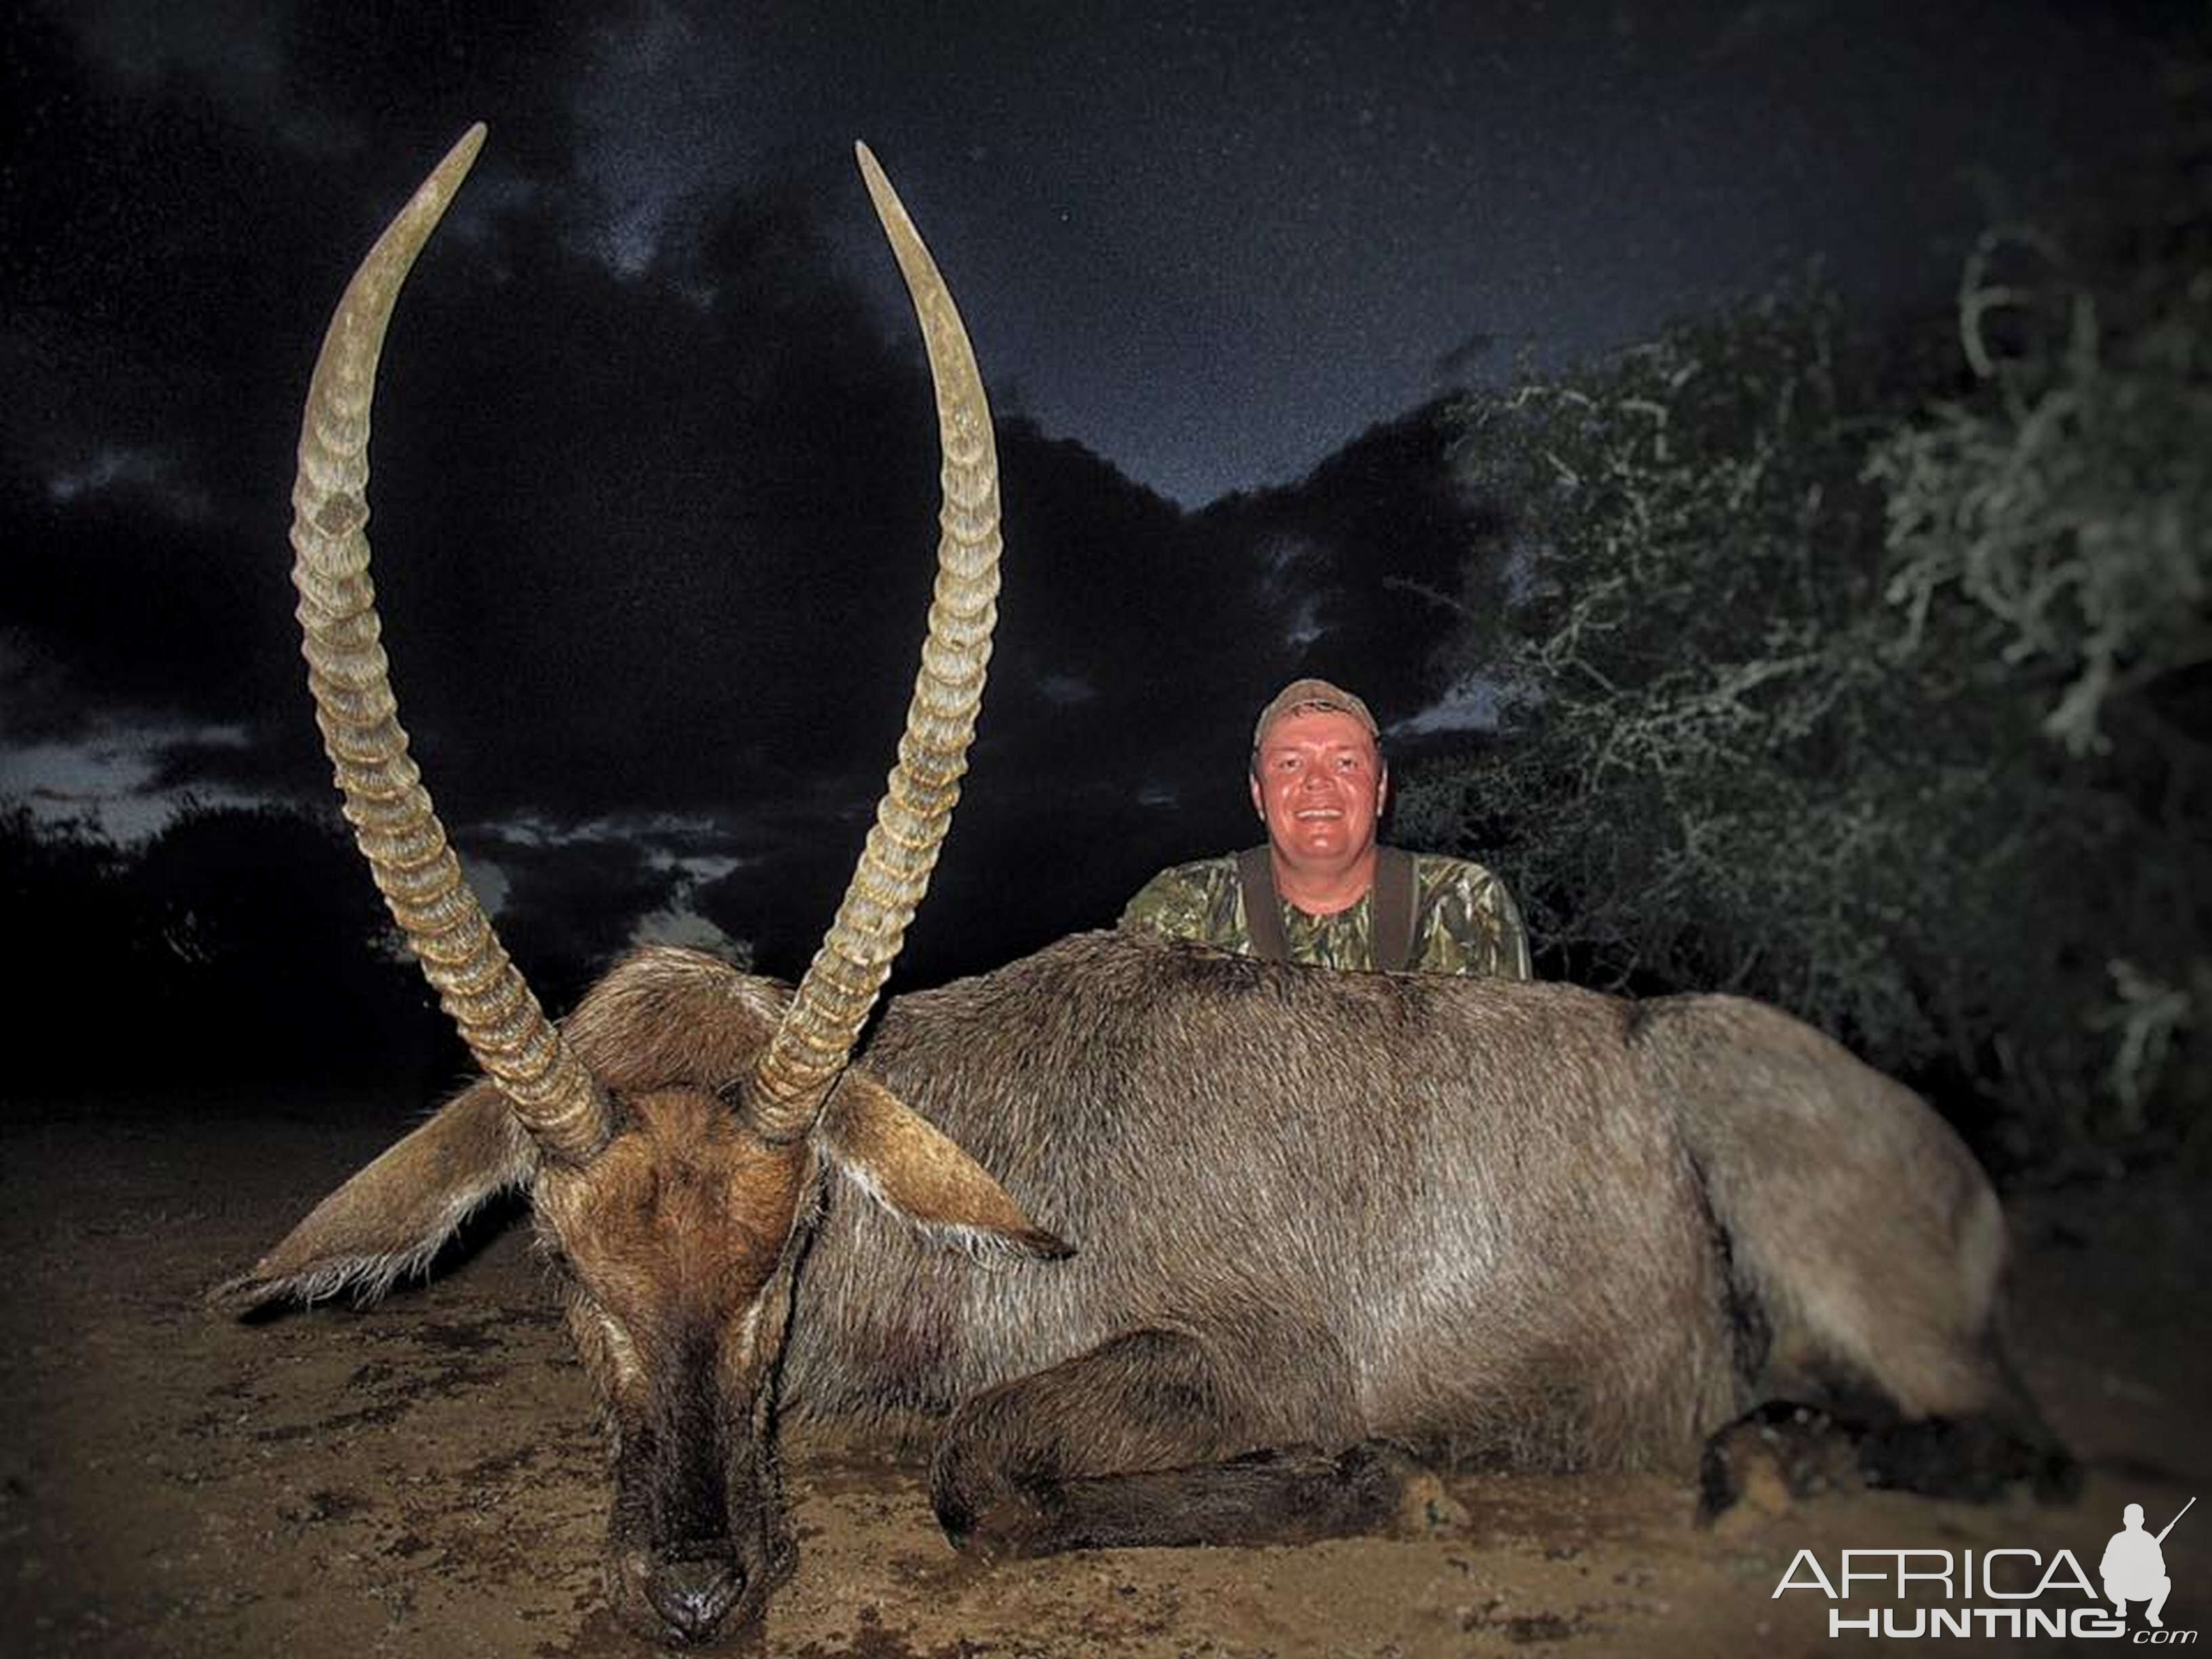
x=1152 y=1439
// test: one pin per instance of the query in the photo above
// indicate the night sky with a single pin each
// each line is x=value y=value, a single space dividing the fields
x=654 y=479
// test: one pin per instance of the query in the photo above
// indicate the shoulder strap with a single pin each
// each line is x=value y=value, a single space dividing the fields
x=1390 y=908
x=1263 y=908
x=1391 y=911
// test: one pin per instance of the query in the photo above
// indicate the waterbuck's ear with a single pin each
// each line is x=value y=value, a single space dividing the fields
x=913 y=1169
x=391 y=1218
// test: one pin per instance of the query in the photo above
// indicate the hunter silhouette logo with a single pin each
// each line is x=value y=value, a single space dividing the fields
x=2134 y=1567
x=2011 y=1592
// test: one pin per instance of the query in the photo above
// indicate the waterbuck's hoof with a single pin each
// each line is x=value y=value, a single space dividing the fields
x=1013 y=1526
x=1760 y=1465
x=1742 y=1493
x=1387 y=1491
x=1426 y=1509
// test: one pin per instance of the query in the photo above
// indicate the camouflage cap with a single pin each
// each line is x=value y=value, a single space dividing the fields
x=1311 y=694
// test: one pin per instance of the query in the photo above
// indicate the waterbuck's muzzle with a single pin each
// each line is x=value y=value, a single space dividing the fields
x=691 y=1593
x=698 y=1537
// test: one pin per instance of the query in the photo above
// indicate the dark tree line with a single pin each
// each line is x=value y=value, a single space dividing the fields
x=239 y=945
x=1867 y=673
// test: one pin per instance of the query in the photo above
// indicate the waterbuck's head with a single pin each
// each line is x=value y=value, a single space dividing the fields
x=672 y=1134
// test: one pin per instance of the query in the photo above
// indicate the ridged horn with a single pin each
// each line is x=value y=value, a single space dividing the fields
x=393 y=822
x=815 y=1040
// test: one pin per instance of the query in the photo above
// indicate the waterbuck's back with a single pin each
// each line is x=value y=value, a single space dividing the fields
x=1425 y=1207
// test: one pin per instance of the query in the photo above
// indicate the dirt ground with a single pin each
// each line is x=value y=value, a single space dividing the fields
x=423 y=1478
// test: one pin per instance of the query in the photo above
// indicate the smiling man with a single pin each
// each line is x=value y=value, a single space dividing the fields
x=1322 y=891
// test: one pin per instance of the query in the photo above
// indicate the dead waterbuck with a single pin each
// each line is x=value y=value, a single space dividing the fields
x=1327 y=1220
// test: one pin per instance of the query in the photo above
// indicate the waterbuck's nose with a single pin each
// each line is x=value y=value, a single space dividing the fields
x=692 y=1595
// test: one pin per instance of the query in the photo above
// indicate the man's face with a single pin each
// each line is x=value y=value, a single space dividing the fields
x=1320 y=788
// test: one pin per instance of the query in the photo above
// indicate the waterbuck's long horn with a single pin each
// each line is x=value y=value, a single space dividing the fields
x=815 y=1038
x=393 y=819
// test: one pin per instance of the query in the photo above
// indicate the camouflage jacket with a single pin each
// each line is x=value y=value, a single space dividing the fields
x=1464 y=920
